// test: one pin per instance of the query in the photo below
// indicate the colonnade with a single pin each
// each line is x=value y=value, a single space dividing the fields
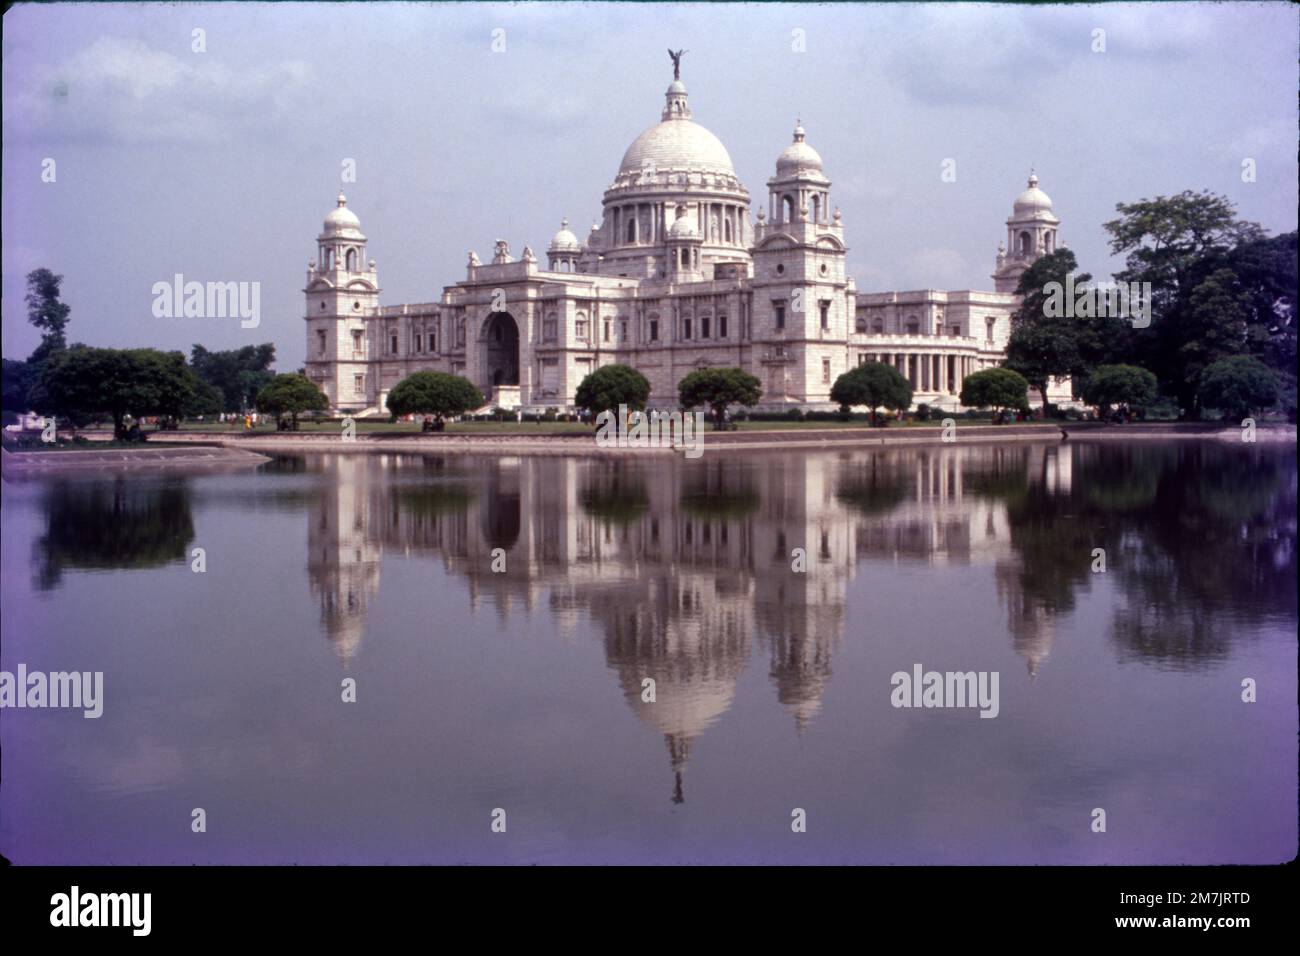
x=930 y=372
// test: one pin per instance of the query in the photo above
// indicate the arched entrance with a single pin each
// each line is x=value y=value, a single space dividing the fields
x=500 y=350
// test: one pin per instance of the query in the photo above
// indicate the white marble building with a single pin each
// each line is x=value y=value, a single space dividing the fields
x=675 y=276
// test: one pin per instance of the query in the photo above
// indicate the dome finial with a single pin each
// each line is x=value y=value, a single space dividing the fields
x=343 y=200
x=798 y=130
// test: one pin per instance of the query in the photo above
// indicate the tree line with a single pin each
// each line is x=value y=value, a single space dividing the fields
x=81 y=384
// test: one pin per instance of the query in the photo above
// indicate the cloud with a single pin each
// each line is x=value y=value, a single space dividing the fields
x=122 y=90
x=994 y=56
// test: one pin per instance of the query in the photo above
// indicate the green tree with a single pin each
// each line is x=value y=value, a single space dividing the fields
x=169 y=387
x=15 y=380
x=1001 y=389
x=237 y=373
x=46 y=312
x=610 y=386
x=1264 y=272
x=1238 y=387
x=291 y=394
x=874 y=385
x=81 y=382
x=1119 y=385
x=1048 y=341
x=1177 y=244
x=434 y=393
x=718 y=388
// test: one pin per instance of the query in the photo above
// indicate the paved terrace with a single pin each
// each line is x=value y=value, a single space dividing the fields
x=523 y=443
x=201 y=458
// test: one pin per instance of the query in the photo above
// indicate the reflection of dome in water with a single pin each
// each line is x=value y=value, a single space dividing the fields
x=693 y=649
x=1031 y=625
x=800 y=667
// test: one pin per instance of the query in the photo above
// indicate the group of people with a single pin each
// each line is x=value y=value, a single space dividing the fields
x=249 y=419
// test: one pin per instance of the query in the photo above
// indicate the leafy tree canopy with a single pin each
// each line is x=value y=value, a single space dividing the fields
x=434 y=393
x=1216 y=285
x=1238 y=387
x=874 y=385
x=237 y=373
x=610 y=386
x=1046 y=344
x=291 y=394
x=1119 y=385
x=996 y=388
x=718 y=388
x=82 y=382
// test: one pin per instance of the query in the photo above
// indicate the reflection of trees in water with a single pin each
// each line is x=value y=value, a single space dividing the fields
x=615 y=494
x=873 y=486
x=1216 y=548
x=119 y=526
x=1197 y=537
x=426 y=501
x=501 y=518
x=717 y=489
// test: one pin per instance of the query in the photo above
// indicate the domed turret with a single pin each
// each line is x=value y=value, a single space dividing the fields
x=1031 y=233
x=683 y=228
x=798 y=156
x=564 y=250
x=684 y=248
x=1032 y=200
x=799 y=190
x=342 y=222
x=564 y=240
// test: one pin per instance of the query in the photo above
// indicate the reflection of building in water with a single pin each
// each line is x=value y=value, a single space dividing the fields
x=938 y=519
x=342 y=559
x=682 y=565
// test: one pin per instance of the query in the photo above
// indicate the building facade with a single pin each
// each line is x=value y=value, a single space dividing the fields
x=675 y=276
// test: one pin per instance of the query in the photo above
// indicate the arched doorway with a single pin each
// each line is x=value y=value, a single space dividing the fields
x=500 y=350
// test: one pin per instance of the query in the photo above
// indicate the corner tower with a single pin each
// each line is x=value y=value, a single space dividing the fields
x=800 y=307
x=342 y=290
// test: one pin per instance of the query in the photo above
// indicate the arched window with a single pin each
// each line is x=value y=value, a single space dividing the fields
x=631 y=230
x=352 y=260
x=878 y=327
x=989 y=323
x=726 y=230
x=1024 y=243
x=787 y=208
x=913 y=326
x=686 y=258
x=861 y=324
x=817 y=207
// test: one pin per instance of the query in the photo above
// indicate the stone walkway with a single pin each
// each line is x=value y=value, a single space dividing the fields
x=109 y=460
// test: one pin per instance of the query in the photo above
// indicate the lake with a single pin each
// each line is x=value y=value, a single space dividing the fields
x=503 y=623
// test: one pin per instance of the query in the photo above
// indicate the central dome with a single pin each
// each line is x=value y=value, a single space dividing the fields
x=677 y=144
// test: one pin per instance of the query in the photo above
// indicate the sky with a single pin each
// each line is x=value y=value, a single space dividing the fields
x=220 y=164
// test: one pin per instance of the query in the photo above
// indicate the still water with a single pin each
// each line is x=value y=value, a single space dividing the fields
x=521 y=689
